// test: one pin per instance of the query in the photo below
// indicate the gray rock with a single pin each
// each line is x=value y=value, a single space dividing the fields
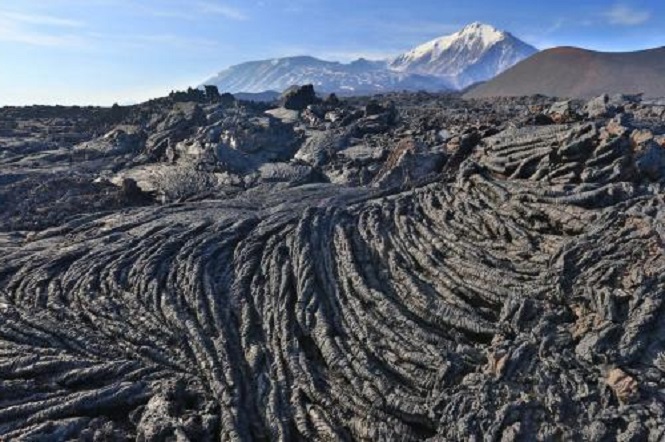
x=286 y=173
x=321 y=146
x=504 y=283
x=562 y=112
x=600 y=107
x=298 y=97
x=650 y=161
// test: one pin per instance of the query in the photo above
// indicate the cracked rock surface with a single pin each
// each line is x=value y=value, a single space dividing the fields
x=412 y=267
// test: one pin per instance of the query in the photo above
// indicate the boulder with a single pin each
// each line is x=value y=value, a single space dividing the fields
x=298 y=97
x=331 y=100
x=212 y=93
x=599 y=107
x=180 y=123
x=313 y=115
x=286 y=116
x=625 y=387
x=260 y=139
x=660 y=140
x=130 y=188
x=362 y=154
x=227 y=99
x=619 y=125
x=294 y=174
x=407 y=162
x=373 y=108
x=650 y=162
x=540 y=119
x=320 y=147
x=641 y=136
x=562 y=112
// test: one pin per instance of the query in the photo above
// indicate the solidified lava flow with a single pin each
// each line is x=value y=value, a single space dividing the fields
x=374 y=279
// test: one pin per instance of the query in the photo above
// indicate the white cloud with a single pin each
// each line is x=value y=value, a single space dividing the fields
x=421 y=28
x=37 y=39
x=299 y=6
x=44 y=20
x=346 y=56
x=56 y=32
x=624 y=15
x=221 y=9
x=343 y=54
x=194 y=11
x=39 y=30
x=399 y=35
x=147 y=41
x=13 y=31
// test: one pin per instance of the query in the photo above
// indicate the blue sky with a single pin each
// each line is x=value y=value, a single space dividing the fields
x=106 y=51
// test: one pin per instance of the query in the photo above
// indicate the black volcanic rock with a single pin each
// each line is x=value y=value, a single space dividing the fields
x=212 y=93
x=439 y=269
x=331 y=100
x=227 y=99
x=373 y=108
x=298 y=97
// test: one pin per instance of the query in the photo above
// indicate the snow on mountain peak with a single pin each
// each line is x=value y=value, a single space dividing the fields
x=477 y=52
x=487 y=34
x=469 y=35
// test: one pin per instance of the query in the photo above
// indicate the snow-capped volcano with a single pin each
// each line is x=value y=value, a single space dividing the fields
x=476 y=53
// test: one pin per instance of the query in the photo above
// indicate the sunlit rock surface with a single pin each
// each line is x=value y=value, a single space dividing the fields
x=439 y=270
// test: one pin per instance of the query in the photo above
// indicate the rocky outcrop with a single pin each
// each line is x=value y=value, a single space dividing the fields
x=298 y=97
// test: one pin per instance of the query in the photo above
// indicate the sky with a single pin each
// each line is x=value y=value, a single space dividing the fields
x=107 y=51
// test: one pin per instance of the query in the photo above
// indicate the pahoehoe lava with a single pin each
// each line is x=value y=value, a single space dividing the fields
x=515 y=294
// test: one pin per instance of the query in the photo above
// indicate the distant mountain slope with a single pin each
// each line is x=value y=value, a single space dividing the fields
x=266 y=96
x=358 y=77
x=579 y=73
x=476 y=53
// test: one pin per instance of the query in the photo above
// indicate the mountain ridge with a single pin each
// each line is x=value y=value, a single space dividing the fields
x=476 y=53
x=358 y=76
x=572 y=72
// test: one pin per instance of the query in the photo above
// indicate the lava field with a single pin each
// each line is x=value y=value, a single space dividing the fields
x=404 y=267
